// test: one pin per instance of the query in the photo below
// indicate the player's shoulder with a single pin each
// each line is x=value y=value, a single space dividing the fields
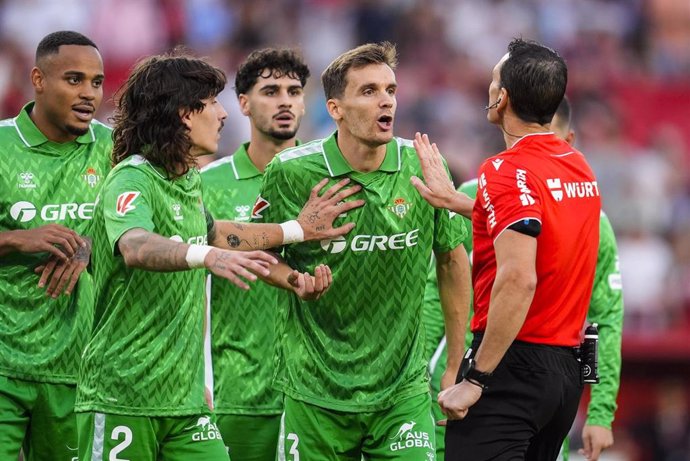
x=303 y=152
x=101 y=129
x=221 y=166
x=8 y=129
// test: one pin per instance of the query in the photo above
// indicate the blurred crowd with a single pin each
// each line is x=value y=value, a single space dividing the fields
x=629 y=63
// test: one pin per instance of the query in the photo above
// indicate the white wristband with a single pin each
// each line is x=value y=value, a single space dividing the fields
x=292 y=232
x=196 y=254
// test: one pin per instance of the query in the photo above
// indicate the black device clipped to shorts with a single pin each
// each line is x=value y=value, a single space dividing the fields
x=589 y=355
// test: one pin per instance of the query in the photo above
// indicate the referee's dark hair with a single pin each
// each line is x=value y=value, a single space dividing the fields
x=535 y=77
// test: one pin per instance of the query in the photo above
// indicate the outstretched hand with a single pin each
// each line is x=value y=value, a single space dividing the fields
x=232 y=265
x=437 y=188
x=310 y=287
x=318 y=214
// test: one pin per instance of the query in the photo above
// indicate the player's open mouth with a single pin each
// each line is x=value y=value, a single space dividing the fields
x=83 y=112
x=385 y=122
x=284 y=117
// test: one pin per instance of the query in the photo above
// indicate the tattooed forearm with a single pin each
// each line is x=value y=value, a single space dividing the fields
x=233 y=241
x=261 y=241
x=145 y=250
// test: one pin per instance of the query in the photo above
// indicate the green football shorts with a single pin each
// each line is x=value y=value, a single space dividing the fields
x=250 y=437
x=143 y=438
x=402 y=432
x=39 y=418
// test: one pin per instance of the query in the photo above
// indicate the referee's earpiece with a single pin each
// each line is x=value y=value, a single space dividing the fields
x=494 y=105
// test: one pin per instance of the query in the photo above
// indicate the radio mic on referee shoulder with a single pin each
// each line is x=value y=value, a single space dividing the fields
x=494 y=105
x=589 y=352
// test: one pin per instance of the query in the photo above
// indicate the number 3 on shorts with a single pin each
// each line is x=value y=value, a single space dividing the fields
x=117 y=431
x=293 y=448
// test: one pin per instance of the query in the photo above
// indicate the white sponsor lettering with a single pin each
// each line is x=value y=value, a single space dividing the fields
x=364 y=242
x=521 y=182
x=26 y=211
x=581 y=189
x=407 y=437
x=573 y=189
x=555 y=186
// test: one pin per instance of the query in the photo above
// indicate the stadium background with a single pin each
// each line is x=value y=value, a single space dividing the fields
x=629 y=83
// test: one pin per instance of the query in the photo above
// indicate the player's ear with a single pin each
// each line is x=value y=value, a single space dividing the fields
x=334 y=109
x=37 y=79
x=186 y=118
x=244 y=104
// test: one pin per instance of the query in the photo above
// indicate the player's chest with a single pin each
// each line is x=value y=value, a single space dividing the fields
x=42 y=189
x=391 y=203
x=180 y=215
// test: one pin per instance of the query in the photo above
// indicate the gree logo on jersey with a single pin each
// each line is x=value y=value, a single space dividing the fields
x=26 y=211
x=259 y=206
x=124 y=202
x=577 y=189
x=372 y=242
x=196 y=240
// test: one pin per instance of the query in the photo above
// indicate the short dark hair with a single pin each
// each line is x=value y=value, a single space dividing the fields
x=51 y=43
x=535 y=77
x=270 y=62
x=147 y=115
x=333 y=78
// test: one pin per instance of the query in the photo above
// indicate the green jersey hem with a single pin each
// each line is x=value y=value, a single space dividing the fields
x=86 y=407
x=383 y=404
x=33 y=377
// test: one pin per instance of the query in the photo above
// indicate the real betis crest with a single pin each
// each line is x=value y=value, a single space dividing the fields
x=91 y=177
x=400 y=207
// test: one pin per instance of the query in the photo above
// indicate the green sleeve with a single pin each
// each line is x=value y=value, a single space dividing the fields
x=432 y=313
x=606 y=309
x=449 y=231
x=126 y=204
x=469 y=188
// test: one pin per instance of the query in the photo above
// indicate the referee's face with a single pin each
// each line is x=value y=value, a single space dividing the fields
x=69 y=90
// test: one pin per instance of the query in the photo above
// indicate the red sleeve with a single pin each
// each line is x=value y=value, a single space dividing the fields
x=508 y=194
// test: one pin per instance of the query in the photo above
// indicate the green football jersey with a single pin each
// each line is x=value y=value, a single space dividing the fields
x=360 y=347
x=145 y=356
x=243 y=323
x=43 y=182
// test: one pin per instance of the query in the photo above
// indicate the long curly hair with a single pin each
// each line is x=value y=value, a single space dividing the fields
x=150 y=106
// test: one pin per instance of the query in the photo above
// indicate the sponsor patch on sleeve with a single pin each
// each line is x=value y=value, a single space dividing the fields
x=615 y=282
x=125 y=202
x=259 y=206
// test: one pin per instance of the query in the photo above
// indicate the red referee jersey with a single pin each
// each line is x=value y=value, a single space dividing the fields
x=541 y=177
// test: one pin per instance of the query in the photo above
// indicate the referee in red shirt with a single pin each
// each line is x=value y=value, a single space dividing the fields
x=536 y=233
